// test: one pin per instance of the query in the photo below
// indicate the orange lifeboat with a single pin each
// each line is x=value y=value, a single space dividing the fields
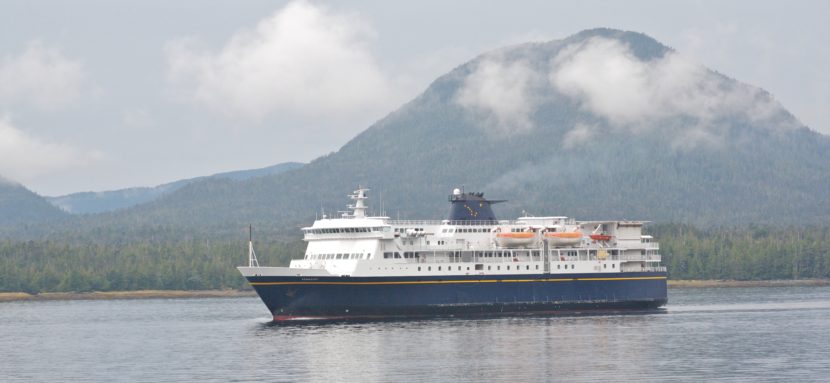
x=600 y=237
x=515 y=239
x=568 y=238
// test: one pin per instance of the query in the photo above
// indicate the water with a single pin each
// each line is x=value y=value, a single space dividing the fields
x=730 y=334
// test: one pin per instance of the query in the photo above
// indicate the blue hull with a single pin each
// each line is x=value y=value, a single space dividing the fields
x=385 y=297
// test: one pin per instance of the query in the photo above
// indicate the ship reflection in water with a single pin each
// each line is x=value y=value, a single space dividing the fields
x=733 y=334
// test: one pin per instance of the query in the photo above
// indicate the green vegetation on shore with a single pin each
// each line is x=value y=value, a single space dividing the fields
x=753 y=253
x=191 y=264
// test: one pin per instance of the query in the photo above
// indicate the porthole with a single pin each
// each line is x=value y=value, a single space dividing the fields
x=419 y=268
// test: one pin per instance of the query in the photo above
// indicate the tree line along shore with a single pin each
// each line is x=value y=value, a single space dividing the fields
x=694 y=257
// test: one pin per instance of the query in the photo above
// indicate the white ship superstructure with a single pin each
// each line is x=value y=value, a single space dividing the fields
x=359 y=245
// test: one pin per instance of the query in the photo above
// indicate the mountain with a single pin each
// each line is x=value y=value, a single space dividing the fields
x=20 y=207
x=604 y=124
x=98 y=202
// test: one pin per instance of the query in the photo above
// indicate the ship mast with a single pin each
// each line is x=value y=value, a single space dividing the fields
x=359 y=207
x=252 y=261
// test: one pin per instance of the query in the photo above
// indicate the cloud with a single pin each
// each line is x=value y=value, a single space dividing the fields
x=24 y=158
x=501 y=91
x=579 y=134
x=611 y=82
x=304 y=60
x=41 y=76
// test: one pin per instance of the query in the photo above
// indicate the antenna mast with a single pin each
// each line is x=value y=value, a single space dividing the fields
x=359 y=207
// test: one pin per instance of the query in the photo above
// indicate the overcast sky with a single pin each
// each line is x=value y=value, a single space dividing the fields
x=99 y=95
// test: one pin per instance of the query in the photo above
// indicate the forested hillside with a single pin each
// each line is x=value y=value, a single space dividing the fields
x=105 y=201
x=701 y=148
x=20 y=208
x=736 y=184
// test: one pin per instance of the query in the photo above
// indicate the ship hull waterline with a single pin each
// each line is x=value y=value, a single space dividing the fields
x=344 y=298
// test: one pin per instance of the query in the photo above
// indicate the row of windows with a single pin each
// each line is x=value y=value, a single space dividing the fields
x=517 y=268
x=466 y=230
x=336 y=256
x=481 y=267
x=479 y=254
x=604 y=266
x=403 y=229
x=397 y=255
x=339 y=230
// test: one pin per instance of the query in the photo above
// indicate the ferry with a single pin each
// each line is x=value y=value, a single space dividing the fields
x=358 y=266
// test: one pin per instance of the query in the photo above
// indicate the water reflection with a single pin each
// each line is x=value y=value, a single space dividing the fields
x=778 y=334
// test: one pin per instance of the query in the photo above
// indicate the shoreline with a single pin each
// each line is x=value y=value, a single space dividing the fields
x=136 y=294
x=177 y=294
x=709 y=283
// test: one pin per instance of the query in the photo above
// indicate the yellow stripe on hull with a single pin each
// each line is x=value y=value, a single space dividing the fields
x=457 y=281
